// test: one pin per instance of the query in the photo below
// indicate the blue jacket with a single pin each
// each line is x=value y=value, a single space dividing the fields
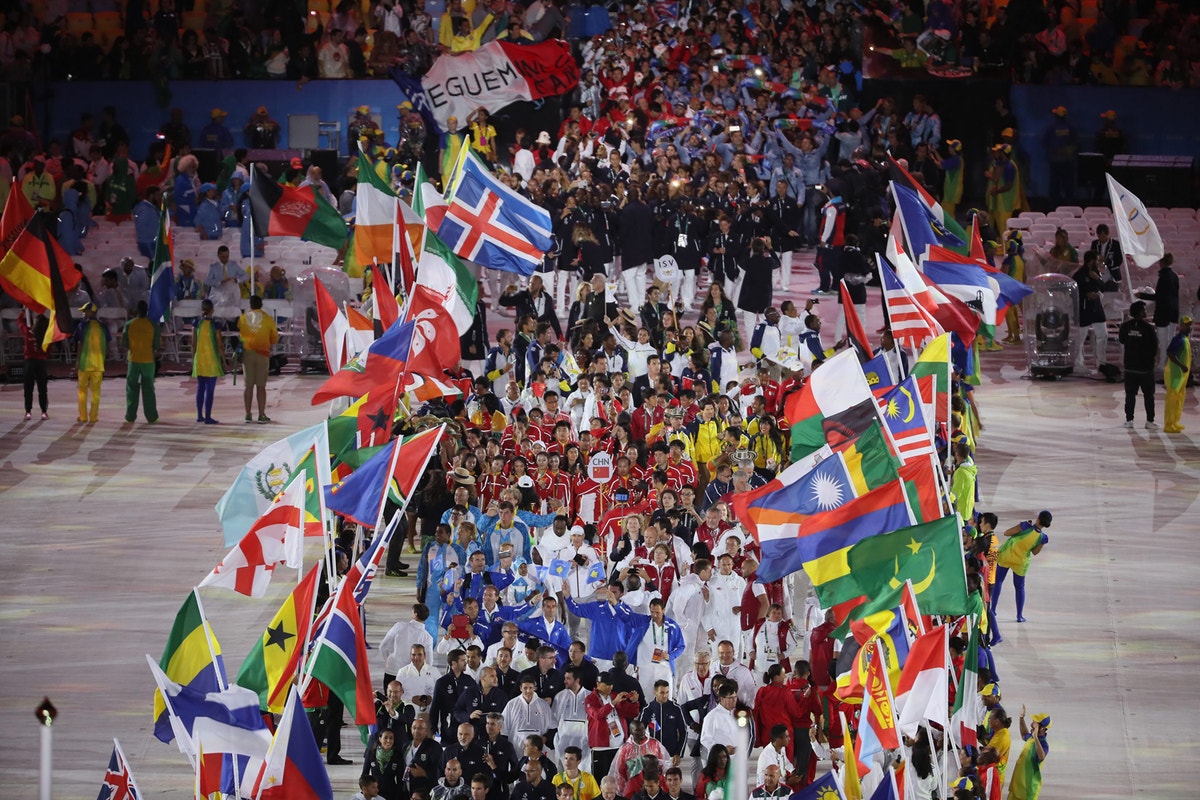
x=608 y=626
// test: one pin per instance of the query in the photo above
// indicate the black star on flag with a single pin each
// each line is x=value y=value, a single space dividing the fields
x=278 y=636
x=379 y=420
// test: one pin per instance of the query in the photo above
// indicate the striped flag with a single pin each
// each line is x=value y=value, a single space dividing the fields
x=118 y=780
x=375 y=216
x=271 y=664
x=911 y=324
x=339 y=656
x=334 y=328
x=905 y=417
x=445 y=274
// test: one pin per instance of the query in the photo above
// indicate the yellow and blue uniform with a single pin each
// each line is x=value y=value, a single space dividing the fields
x=92 y=336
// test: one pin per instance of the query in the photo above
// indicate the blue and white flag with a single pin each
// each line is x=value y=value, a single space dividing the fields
x=490 y=224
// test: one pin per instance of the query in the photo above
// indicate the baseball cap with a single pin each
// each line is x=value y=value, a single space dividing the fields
x=297 y=163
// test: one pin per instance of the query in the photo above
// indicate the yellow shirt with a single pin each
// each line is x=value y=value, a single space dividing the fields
x=92 y=345
x=141 y=339
x=258 y=331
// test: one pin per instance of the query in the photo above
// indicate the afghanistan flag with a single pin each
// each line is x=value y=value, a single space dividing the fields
x=38 y=274
x=271 y=664
x=279 y=210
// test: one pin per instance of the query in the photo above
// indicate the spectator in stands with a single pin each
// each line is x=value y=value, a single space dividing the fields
x=215 y=135
x=262 y=132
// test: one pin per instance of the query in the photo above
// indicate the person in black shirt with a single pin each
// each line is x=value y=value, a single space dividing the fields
x=476 y=702
x=392 y=714
x=447 y=691
x=588 y=672
x=499 y=756
x=421 y=759
x=664 y=719
x=384 y=764
x=547 y=679
x=624 y=683
x=466 y=750
x=534 y=786
x=674 y=782
x=1141 y=351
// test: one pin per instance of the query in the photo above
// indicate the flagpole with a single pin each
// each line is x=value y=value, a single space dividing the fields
x=323 y=480
x=189 y=752
x=128 y=768
x=253 y=169
x=209 y=636
x=306 y=666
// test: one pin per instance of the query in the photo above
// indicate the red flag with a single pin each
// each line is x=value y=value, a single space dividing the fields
x=977 y=251
x=919 y=479
x=334 y=328
x=854 y=326
x=375 y=416
x=435 y=343
x=387 y=311
x=17 y=214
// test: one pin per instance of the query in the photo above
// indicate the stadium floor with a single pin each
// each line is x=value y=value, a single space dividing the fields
x=109 y=525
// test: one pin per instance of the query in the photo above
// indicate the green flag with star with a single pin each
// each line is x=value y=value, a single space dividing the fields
x=931 y=555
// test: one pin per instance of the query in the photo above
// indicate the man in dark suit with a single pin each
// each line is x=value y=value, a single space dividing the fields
x=1108 y=250
x=535 y=301
x=635 y=241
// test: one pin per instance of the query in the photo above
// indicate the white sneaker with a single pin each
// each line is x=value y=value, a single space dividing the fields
x=1128 y=423
x=1151 y=426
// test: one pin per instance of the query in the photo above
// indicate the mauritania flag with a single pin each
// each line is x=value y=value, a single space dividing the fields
x=271 y=664
x=339 y=657
x=446 y=275
x=835 y=404
x=774 y=514
x=192 y=658
x=264 y=477
x=930 y=555
x=162 y=275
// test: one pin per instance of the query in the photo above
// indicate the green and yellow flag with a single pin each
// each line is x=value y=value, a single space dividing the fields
x=272 y=663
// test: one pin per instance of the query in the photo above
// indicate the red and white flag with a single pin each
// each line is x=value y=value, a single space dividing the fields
x=923 y=693
x=334 y=328
x=118 y=780
x=277 y=537
x=435 y=339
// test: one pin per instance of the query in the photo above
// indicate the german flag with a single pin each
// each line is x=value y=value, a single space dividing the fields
x=39 y=274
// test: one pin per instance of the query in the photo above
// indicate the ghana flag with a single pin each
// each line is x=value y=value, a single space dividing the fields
x=271 y=664
x=279 y=210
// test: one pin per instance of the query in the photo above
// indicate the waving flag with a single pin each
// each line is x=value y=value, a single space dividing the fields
x=118 y=780
x=435 y=337
x=932 y=374
x=929 y=554
x=967 y=713
x=1139 y=235
x=383 y=298
x=271 y=663
x=374 y=216
x=265 y=476
x=923 y=691
x=774 y=514
x=277 y=538
x=360 y=496
x=280 y=210
x=339 y=657
x=877 y=723
x=192 y=659
x=490 y=224
x=334 y=328
x=922 y=228
x=910 y=323
x=949 y=312
x=829 y=536
x=441 y=271
x=969 y=282
x=428 y=203
x=903 y=177
x=292 y=769
x=905 y=418
x=39 y=274
x=227 y=714
x=380 y=365
x=162 y=278
x=834 y=405
x=869 y=459
x=921 y=485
